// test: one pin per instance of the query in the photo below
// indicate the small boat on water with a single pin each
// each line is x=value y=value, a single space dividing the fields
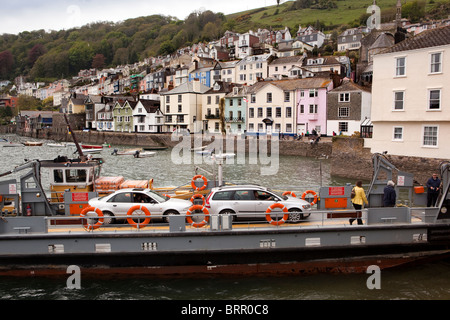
x=56 y=145
x=91 y=151
x=146 y=154
x=88 y=146
x=33 y=144
x=13 y=145
x=155 y=148
x=129 y=152
x=106 y=145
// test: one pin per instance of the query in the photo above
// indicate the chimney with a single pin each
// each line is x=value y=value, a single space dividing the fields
x=196 y=85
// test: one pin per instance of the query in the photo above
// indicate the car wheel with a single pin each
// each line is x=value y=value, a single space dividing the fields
x=295 y=215
x=108 y=218
x=168 y=214
x=230 y=213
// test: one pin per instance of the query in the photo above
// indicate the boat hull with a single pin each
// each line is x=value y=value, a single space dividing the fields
x=198 y=254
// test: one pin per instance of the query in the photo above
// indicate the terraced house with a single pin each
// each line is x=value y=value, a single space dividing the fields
x=123 y=116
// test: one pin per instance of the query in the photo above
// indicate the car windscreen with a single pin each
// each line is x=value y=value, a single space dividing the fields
x=157 y=196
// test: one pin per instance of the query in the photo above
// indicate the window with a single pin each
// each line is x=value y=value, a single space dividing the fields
x=260 y=112
x=344 y=112
x=344 y=97
x=251 y=112
x=399 y=98
x=313 y=108
x=302 y=108
x=287 y=96
x=269 y=112
x=400 y=69
x=398 y=134
x=251 y=127
x=436 y=62
x=288 y=112
x=269 y=97
x=180 y=98
x=208 y=100
x=434 y=98
x=343 y=126
x=180 y=108
x=313 y=93
x=278 y=112
x=167 y=99
x=253 y=98
x=167 y=109
x=289 y=127
x=430 y=135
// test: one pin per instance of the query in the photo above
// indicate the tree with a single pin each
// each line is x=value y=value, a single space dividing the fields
x=99 y=61
x=6 y=64
x=166 y=48
x=80 y=56
x=35 y=52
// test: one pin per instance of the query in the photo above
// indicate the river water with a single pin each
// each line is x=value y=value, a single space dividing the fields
x=429 y=281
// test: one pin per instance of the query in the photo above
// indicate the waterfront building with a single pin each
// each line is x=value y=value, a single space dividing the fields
x=123 y=116
x=312 y=104
x=236 y=110
x=182 y=106
x=348 y=106
x=253 y=69
x=271 y=107
x=148 y=117
x=410 y=104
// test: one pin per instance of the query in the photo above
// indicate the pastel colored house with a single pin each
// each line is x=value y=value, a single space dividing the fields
x=312 y=105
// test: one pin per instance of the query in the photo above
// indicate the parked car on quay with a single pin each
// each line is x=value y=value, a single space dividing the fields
x=120 y=202
x=252 y=202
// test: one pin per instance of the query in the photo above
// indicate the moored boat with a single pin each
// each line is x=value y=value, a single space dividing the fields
x=13 y=145
x=56 y=145
x=88 y=146
x=33 y=144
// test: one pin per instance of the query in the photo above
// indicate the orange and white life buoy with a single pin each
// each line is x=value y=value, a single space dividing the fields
x=134 y=223
x=86 y=224
x=289 y=193
x=198 y=196
x=310 y=192
x=282 y=220
x=195 y=224
x=205 y=183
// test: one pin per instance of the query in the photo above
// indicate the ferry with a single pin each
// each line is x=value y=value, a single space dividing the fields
x=43 y=236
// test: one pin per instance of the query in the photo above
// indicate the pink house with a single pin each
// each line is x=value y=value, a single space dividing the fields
x=312 y=105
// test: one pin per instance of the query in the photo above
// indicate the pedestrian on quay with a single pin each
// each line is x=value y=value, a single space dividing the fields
x=358 y=200
x=433 y=189
x=389 y=196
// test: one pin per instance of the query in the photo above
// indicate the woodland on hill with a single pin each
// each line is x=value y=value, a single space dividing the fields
x=50 y=55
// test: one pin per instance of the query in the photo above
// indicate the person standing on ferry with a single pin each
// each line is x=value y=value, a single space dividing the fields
x=358 y=201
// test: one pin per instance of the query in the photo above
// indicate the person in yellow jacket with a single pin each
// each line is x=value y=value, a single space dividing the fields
x=358 y=200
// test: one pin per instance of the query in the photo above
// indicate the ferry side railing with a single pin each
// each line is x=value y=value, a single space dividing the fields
x=319 y=219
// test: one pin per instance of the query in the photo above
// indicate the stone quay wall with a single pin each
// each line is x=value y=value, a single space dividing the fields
x=349 y=158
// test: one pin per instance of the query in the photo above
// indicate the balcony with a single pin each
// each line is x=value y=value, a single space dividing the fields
x=234 y=119
x=212 y=116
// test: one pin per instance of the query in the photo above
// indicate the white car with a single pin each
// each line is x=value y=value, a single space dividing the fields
x=252 y=202
x=121 y=201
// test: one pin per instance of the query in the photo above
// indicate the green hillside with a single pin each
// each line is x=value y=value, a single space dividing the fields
x=47 y=56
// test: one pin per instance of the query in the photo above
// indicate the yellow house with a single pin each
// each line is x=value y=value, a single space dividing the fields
x=76 y=103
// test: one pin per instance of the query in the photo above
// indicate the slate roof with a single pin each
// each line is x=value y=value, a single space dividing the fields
x=289 y=85
x=426 y=39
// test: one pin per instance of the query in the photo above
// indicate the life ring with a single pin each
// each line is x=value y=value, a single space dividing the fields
x=195 y=224
x=135 y=224
x=282 y=220
x=90 y=227
x=289 y=193
x=310 y=192
x=166 y=195
x=205 y=183
x=198 y=196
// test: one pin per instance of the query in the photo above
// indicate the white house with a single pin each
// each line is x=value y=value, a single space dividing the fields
x=148 y=117
x=411 y=97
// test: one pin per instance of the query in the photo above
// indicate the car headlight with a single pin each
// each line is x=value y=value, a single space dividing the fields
x=306 y=206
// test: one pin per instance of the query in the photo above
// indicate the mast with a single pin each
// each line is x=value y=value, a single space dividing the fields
x=80 y=151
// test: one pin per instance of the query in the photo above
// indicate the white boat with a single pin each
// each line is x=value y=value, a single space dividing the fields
x=91 y=151
x=11 y=145
x=129 y=152
x=145 y=155
x=33 y=144
x=56 y=145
